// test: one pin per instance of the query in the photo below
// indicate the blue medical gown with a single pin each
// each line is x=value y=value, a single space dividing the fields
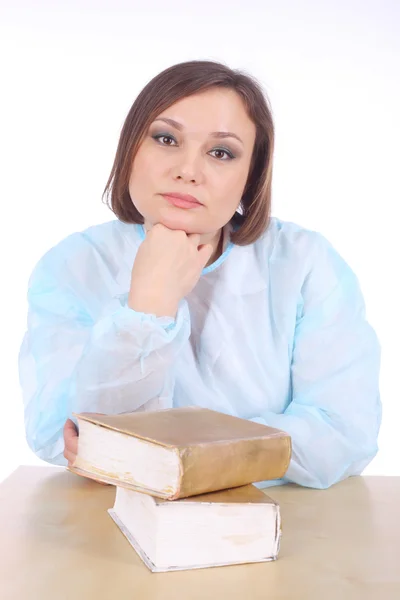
x=274 y=332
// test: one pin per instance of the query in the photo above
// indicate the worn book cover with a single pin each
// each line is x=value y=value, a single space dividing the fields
x=182 y=452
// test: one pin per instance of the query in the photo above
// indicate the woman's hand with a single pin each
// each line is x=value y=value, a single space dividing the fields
x=71 y=437
x=167 y=267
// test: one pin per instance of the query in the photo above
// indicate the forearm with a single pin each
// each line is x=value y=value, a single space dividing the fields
x=128 y=361
x=121 y=363
x=326 y=448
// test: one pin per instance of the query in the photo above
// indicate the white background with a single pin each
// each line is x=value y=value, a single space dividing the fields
x=71 y=71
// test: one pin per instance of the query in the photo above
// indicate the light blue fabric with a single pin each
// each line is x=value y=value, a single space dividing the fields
x=274 y=332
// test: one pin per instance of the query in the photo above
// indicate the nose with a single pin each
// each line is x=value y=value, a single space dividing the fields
x=188 y=168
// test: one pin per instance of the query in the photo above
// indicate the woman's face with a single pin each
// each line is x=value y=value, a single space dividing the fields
x=200 y=146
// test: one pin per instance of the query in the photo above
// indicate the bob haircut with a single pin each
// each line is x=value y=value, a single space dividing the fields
x=180 y=81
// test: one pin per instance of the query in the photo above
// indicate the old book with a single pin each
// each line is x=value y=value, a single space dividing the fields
x=240 y=525
x=181 y=452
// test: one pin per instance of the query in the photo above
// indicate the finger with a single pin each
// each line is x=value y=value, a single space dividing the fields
x=71 y=437
x=194 y=239
x=69 y=456
x=70 y=429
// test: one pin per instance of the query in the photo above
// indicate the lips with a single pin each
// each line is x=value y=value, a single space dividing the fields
x=182 y=200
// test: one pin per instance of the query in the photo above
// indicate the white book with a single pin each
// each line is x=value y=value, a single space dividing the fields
x=235 y=526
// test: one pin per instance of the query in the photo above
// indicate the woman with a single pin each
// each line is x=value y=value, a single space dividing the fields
x=195 y=295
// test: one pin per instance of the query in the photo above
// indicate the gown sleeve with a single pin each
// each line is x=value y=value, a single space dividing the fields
x=83 y=354
x=334 y=414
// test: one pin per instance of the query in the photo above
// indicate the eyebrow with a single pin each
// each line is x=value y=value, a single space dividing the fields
x=214 y=134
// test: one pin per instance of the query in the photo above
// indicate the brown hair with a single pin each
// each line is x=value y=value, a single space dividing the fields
x=171 y=85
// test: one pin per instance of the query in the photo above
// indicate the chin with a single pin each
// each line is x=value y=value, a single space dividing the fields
x=179 y=220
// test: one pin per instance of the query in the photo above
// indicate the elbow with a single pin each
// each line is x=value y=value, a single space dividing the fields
x=364 y=444
x=52 y=453
x=357 y=462
x=325 y=470
x=357 y=466
x=45 y=440
x=359 y=444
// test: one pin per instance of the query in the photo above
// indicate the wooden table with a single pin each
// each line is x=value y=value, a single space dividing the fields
x=59 y=543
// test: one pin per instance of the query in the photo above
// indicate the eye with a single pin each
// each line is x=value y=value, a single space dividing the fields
x=223 y=151
x=164 y=139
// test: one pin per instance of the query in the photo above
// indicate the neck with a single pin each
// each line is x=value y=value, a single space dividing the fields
x=218 y=244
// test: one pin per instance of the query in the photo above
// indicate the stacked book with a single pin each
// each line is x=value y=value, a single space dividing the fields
x=185 y=497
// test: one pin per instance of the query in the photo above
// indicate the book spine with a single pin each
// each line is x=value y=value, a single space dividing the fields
x=223 y=465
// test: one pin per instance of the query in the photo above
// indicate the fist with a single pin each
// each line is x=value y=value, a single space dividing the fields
x=167 y=267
